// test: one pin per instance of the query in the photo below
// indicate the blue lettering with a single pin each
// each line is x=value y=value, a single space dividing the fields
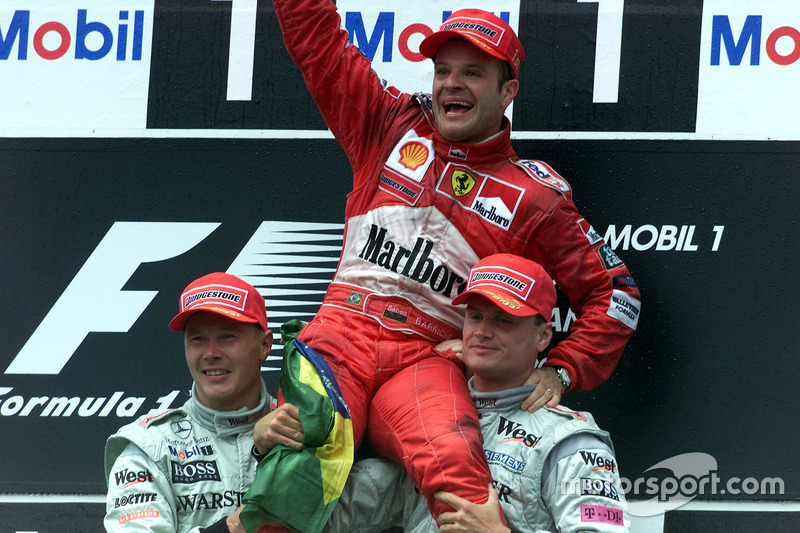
x=384 y=29
x=18 y=28
x=19 y=32
x=84 y=29
x=721 y=32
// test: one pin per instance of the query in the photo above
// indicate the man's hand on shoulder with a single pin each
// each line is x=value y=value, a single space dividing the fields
x=548 y=391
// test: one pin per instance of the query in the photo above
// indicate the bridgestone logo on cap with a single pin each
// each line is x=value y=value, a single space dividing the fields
x=214 y=294
x=489 y=32
x=517 y=284
x=501 y=278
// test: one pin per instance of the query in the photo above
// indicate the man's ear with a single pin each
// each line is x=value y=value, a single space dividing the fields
x=509 y=92
x=545 y=336
x=266 y=344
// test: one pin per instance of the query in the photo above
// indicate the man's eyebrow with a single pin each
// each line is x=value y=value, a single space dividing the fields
x=468 y=65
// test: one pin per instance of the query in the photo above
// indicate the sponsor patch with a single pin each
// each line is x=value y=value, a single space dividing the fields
x=135 y=499
x=599 y=487
x=601 y=514
x=129 y=477
x=598 y=461
x=396 y=313
x=492 y=199
x=512 y=464
x=515 y=432
x=188 y=453
x=182 y=428
x=545 y=175
x=462 y=182
x=483 y=30
x=413 y=262
x=148 y=419
x=398 y=185
x=497 y=202
x=411 y=156
x=222 y=295
x=610 y=259
x=194 y=471
x=149 y=513
x=210 y=500
x=624 y=308
x=589 y=232
x=501 y=278
x=458 y=153
x=623 y=280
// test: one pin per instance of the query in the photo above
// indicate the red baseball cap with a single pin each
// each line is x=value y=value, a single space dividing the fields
x=225 y=295
x=518 y=286
x=485 y=30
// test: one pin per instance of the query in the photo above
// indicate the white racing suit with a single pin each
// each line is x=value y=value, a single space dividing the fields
x=554 y=470
x=183 y=470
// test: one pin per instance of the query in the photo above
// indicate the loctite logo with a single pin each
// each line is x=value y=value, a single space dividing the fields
x=86 y=37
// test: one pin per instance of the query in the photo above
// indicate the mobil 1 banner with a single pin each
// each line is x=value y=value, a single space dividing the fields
x=99 y=238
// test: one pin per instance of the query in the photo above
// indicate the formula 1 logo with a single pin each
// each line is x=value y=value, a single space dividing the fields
x=94 y=301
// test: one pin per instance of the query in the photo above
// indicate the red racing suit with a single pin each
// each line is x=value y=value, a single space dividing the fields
x=422 y=211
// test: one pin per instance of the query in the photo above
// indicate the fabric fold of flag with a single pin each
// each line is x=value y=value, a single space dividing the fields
x=299 y=488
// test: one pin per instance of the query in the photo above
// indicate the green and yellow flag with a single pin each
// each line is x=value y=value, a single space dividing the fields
x=299 y=488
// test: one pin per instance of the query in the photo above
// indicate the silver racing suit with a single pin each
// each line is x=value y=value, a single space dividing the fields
x=554 y=470
x=183 y=470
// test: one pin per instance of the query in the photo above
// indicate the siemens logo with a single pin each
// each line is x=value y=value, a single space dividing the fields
x=93 y=40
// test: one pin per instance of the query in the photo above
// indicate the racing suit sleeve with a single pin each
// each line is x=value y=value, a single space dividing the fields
x=139 y=495
x=581 y=487
x=354 y=102
x=374 y=498
x=601 y=291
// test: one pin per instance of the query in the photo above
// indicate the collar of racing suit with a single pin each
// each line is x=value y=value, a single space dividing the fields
x=502 y=400
x=495 y=148
x=229 y=422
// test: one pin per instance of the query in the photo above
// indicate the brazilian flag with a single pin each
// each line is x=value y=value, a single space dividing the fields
x=299 y=488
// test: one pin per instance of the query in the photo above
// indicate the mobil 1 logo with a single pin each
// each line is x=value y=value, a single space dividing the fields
x=609 y=65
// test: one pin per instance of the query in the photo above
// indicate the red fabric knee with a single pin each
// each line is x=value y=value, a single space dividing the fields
x=424 y=418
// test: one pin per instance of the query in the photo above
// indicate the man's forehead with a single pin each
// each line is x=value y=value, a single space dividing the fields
x=461 y=50
x=479 y=302
x=208 y=319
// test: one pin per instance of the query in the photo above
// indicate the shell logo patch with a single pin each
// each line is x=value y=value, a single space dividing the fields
x=413 y=155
